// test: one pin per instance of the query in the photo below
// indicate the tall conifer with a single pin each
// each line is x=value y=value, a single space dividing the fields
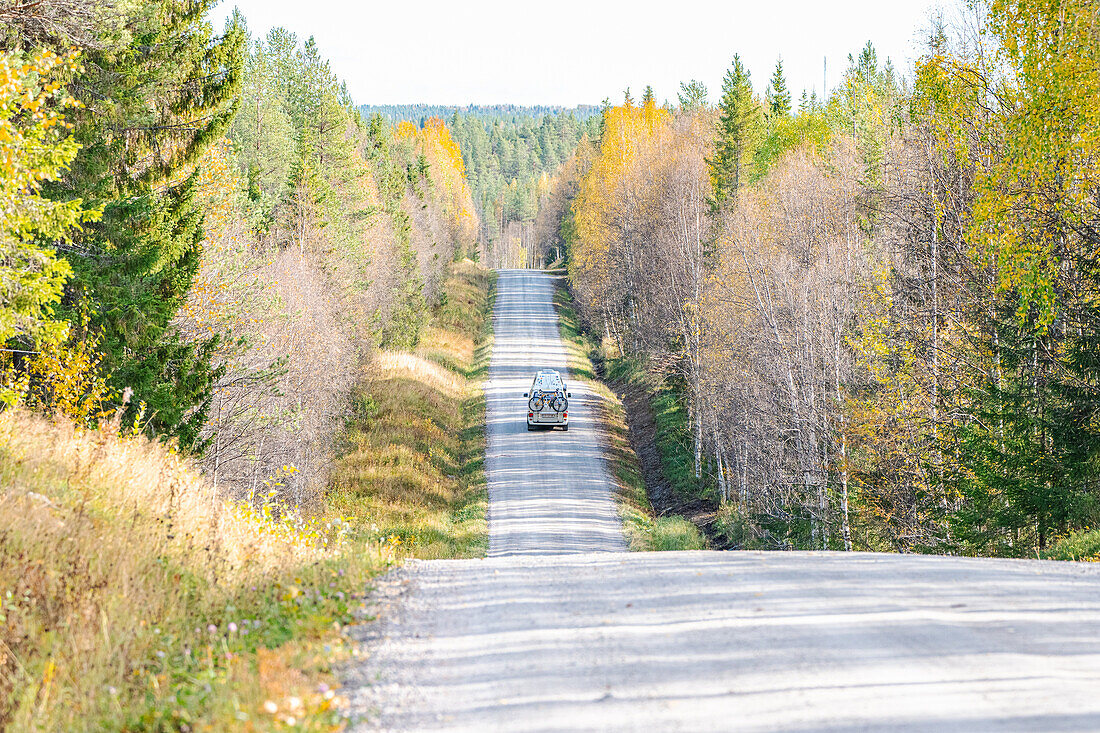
x=739 y=131
x=693 y=95
x=153 y=106
x=778 y=96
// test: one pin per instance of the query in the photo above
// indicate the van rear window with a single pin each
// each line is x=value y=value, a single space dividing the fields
x=548 y=383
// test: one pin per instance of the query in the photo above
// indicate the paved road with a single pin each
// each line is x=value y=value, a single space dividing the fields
x=549 y=490
x=550 y=633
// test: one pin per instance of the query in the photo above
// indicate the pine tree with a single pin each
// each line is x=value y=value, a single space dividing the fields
x=648 y=96
x=739 y=131
x=153 y=106
x=262 y=130
x=318 y=107
x=693 y=95
x=778 y=96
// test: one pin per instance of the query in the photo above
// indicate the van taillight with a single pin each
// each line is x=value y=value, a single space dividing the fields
x=564 y=415
x=530 y=414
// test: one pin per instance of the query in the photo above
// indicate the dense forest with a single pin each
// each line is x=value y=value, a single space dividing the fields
x=876 y=311
x=244 y=324
x=511 y=153
x=224 y=293
x=421 y=113
x=872 y=317
x=213 y=245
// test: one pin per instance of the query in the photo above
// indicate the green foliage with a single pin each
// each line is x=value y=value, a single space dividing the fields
x=396 y=168
x=1029 y=452
x=135 y=289
x=675 y=534
x=506 y=156
x=409 y=314
x=809 y=129
x=305 y=197
x=868 y=106
x=673 y=437
x=740 y=129
x=35 y=146
x=692 y=95
x=319 y=107
x=674 y=441
x=777 y=95
x=262 y=129
x=154 y=98
x=60 y=378
x=1083 y=545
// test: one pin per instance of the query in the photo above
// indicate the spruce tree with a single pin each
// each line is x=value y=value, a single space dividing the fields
x=778 y=96
x=1029 y=448
x=739 y=131
x=153 y=106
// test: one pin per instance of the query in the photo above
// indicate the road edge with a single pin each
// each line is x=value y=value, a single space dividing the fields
x=644 y=530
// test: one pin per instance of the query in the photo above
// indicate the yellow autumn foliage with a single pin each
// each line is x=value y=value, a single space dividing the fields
x=599 y=206
x=448 y=173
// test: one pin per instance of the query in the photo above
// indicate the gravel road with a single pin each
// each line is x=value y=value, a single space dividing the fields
x=559 y=631
x=735 y=641
x=549 y=490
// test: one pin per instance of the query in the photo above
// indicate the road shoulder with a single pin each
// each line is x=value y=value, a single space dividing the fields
x=644 y=528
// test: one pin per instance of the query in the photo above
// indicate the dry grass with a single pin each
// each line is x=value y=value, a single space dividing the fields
x=413 y=464
x=417 y=368
x=133 y=598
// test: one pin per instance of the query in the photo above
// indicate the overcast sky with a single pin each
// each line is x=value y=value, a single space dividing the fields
x=572 y=52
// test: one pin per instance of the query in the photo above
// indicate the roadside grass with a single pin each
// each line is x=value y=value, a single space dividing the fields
x=1084 y=546
x=672 y=438
x=412 y=471
x=645 y=531
x=133 y=599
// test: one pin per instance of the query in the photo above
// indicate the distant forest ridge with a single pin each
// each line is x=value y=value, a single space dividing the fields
x=419 y=112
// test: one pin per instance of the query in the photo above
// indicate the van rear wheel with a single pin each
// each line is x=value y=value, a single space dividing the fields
x=565 y=428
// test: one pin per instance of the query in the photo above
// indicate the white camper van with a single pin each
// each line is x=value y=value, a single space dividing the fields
x=548 y=401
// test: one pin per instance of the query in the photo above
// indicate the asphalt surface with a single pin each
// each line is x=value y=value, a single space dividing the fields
x=549 y=490
x=552 y=633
